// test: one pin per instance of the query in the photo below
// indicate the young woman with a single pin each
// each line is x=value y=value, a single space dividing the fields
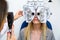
x=36 y=31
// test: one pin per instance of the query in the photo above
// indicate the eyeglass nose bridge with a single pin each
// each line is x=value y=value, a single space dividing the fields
x=35 y=15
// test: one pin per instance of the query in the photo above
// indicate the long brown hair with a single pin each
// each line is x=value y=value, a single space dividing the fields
x=3 y=11
x=29 y=27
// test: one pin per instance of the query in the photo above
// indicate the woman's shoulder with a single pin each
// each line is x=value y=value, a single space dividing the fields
x=22 y=31
x=50 y=35
x=21 y=36
x=49 y=31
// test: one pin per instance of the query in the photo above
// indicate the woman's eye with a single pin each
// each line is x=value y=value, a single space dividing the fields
x=38 y=13
x=32 y=13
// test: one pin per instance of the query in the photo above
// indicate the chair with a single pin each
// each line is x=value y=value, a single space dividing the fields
x=24 y=24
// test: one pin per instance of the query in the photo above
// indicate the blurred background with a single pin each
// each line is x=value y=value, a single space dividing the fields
x=16 y=5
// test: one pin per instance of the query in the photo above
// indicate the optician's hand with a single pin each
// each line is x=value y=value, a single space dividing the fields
x=12 y=35
x=18 y=14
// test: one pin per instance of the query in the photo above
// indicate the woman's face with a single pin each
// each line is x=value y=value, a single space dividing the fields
x=36 y=20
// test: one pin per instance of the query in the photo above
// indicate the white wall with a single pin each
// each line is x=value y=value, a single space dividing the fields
x=15 y=5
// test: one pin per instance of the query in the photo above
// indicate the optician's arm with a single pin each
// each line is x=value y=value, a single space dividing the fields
x=18 y=14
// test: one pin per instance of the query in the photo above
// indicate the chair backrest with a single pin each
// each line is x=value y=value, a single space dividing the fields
x=24 y=24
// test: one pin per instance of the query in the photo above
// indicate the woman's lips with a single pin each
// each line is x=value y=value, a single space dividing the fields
x=35 y=18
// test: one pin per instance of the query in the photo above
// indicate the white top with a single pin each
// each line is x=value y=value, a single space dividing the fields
x=3 y=33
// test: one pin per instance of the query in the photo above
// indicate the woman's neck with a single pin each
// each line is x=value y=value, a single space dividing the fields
x=36 y=27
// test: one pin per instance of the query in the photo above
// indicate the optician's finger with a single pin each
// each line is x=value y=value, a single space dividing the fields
x=8 y=35
x=20 y=13
x=12 y=31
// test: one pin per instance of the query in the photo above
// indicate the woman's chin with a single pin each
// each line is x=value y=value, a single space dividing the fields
x=36 y=22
